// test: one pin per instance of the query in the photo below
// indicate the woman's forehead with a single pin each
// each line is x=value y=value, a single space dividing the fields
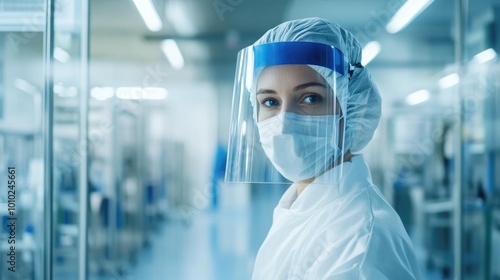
x=288 y=75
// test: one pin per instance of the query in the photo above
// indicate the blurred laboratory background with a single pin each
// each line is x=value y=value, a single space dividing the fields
x=115 y=115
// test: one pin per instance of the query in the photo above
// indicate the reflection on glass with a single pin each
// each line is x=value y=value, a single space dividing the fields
x=21 y=154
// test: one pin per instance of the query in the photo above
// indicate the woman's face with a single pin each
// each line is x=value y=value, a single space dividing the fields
x=294 y=88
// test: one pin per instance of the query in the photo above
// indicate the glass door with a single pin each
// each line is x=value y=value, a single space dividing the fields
x=22 y=26
x=480 y=145
x=43 y=147
x=67 y=71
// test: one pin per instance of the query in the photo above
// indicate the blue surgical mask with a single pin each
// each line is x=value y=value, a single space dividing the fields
x=300 y=146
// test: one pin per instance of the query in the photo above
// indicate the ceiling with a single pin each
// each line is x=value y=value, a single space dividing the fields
x=210 y=33
x=221 y=29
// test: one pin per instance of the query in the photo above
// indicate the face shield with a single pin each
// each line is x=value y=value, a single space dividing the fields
x=287 y=124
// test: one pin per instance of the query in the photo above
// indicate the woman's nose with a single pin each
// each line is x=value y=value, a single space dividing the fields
x=289 y=107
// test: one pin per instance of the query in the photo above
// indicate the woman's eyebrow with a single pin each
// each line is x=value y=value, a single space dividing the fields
x=265 y=91
x=299 y=87
x=306 y=85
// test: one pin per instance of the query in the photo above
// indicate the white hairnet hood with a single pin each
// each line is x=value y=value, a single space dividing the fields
x=362 y=100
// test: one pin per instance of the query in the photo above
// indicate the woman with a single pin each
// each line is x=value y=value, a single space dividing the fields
x=315 y=106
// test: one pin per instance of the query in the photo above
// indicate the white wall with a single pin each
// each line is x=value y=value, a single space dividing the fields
x=191 y=118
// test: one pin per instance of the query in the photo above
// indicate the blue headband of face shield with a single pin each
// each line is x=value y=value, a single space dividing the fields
x=310 y=53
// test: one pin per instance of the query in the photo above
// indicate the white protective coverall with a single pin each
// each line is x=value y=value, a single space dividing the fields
x=346 y=231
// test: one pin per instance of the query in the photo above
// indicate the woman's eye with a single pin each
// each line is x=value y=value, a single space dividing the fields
x=312 y=99
x=270 y=102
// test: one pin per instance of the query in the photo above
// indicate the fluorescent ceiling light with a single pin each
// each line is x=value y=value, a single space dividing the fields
x=25 y=86
x=129 y=93
x=180 y=17
x=149 y=14
x=485 y=56
x=449 y=81
x=173 y=54
x=61 y=55
x=63 y=91
x=71 y=92
x=409 y=11
x=58 y=89
x=102 y=93
x=417 y=97
x=370 y=51
x=154 y=93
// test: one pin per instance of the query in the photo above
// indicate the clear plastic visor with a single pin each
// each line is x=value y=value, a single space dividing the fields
x=287 y=124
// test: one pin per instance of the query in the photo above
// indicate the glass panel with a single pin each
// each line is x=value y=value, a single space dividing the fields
x=127 y=187
x=69 y=140
x=2 y=90
x=21 y=147
x=480 y=147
